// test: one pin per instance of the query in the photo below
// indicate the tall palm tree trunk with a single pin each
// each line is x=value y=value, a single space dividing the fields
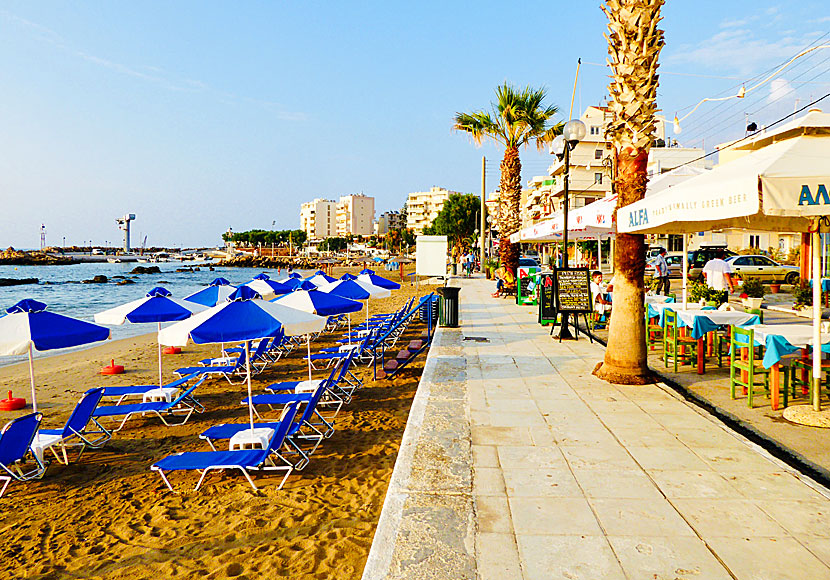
x=510 y=185
x=634 y=44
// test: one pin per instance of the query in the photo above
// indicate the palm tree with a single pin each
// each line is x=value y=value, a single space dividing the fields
x=634 y=44
x=518 y=117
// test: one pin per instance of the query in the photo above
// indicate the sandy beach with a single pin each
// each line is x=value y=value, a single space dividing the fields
x=109 y=516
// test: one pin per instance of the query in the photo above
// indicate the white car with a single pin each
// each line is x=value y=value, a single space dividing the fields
x=767 y=269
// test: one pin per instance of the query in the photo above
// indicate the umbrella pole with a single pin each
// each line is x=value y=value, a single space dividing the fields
x=161 y=382
x=250 y=391
x=308 y=349
x=32 y=377
x=350 y=329
x=685 y=267
x=816 y=241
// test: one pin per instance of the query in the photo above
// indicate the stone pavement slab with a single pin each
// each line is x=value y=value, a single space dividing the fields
x=518 y=463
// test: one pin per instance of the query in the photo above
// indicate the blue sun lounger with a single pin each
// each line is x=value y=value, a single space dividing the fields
x=74 y=433
x=237 y=368
x=184 y=403
x=122 y=392
x=15 y=440
x=243 y=460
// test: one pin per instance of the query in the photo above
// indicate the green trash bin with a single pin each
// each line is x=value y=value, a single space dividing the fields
x=448 y=311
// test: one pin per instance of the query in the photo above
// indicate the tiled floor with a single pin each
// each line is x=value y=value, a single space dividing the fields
x=575 y=478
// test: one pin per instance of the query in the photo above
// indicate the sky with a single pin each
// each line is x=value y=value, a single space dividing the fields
x=199 y=116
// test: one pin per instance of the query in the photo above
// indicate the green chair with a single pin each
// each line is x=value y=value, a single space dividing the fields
x=676 y=348
x=654 y=332
x=743 y=338
x=803 y=367
x=756 y=311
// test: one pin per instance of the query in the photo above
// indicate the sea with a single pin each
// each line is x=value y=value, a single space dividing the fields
x=60 y=289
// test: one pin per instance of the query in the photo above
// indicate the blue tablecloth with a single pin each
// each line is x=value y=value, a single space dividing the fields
x=825 y=284
x=777 y=347
x=703 y=325
x=659 y=313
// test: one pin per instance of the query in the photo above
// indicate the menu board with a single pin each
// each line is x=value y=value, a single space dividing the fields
x=573 y=290
x=527 y=278
x=547 y=300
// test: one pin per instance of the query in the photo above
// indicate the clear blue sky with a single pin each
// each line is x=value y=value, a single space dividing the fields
x=197 y=116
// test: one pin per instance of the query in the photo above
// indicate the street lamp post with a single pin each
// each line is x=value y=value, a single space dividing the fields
x=573 y=132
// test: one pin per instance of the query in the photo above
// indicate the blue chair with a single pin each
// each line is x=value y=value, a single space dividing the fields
x=74 y=433
x=15 y=441
x=243 y=460
x=184 y=403
x=125 y=391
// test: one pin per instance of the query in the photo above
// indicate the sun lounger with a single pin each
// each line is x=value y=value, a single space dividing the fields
x=145 y=391
x=339 y=386
x=184 y=403
x=237 y=368
x=15 y=440
x=243 y=460
x=74 y=433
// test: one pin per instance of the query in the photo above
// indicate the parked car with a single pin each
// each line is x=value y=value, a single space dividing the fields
x=675 y=263
x=528 y=262
x=699 y=257
x=652 y=251
x=764 y=268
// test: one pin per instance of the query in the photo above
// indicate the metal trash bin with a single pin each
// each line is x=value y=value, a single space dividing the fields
x=423 y=313
x=448 y=312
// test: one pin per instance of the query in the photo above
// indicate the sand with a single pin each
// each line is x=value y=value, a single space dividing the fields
x=108 y=516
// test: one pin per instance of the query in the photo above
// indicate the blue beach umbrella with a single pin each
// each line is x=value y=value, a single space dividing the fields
x=299 y=284
x=157 y=306
x=319 y=278
x=266 y=287
x=27 y=326
x=216 y=292
x=367 y=271
x=348 y=276
x=379 y=281
x=356 y=290
x=242 y=318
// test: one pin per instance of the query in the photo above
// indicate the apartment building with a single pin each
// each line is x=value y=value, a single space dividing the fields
x=318 y=218
x=389 y=220
x=355 y=215
x=423 y=207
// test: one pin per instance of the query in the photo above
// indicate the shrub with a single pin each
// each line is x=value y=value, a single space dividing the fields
x=753 y=287
x=803 y=295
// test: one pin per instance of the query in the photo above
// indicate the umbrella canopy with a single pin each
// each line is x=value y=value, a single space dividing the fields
x=378 y=281
x=157 y=306
x=218 y=291
x=292 y=275
x=355 y=290
x=367 y=271
x=266 y=287
x=319 y=278
x=299 y=284
x=243 y=319
x=776 y=188
x=28 y=326
x=262 y=276
x=320 y=303
x=348 y=276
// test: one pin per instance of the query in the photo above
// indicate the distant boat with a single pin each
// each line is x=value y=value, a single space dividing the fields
x=114 y=260
x=143 y=260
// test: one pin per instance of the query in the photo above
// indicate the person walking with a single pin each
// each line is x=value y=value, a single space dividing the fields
x=718 y=275
x=662 y=272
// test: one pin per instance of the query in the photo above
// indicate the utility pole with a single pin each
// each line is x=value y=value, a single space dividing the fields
x=483 y=190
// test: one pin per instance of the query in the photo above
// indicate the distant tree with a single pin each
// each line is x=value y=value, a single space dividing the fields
x=333 y=244
x=456 y=220
x=518 y=117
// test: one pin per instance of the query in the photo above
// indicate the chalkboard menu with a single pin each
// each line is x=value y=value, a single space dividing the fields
x=547 y=300
x=573 y=290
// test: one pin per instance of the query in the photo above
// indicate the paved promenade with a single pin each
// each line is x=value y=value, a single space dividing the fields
x=518 y=464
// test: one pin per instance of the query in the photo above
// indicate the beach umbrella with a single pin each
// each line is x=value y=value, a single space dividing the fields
x=367 y=271
x=242 y=318
x=216 y=292
x=27 y=326
x=156 y=306
x=299 y=284
x=319 y=278
x=348 y=276
x=319 y=303
x=266 y=287
x=356 y=290
x=379 y=281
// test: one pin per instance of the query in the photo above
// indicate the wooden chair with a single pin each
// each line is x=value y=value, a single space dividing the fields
x=676 y=348
x=743 y=370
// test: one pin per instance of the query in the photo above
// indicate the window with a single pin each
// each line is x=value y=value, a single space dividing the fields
x=741 y=261
x=675 y=243
x=754 y=241
x=762 y=261
x=598 y=178
x=596 y=130
x=598 y=154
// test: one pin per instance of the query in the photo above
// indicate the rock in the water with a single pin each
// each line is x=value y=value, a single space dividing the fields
x=100 y=279
x=17 y=281
x=146 y=270
x=125 y=281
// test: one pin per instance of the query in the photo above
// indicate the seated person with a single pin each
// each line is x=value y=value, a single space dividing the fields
x=504 y=277
x=598 y=295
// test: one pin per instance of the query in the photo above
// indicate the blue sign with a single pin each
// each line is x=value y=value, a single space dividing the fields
x=638 y=218
x=821 y=197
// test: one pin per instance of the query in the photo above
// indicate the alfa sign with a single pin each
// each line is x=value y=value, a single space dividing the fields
x=807 y=198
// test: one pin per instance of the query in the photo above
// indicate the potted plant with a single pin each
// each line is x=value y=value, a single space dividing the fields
x=752 y=292
x=803 y=298
x=775 y=287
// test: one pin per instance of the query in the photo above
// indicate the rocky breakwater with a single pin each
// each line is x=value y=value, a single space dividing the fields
x=269 y=262
x=12 y=257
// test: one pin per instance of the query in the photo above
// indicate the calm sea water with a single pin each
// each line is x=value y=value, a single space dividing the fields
x=61 y=294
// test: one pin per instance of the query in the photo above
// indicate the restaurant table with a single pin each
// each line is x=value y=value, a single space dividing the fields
x=657 y=310
x=780 y=340
x=703 y=322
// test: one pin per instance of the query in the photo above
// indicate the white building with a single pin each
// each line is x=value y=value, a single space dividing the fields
x=389 y=220
x=422 y=207
x=318 y=218
x=355 y=215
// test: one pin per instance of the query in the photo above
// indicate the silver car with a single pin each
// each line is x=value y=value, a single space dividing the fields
x=764 y=268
